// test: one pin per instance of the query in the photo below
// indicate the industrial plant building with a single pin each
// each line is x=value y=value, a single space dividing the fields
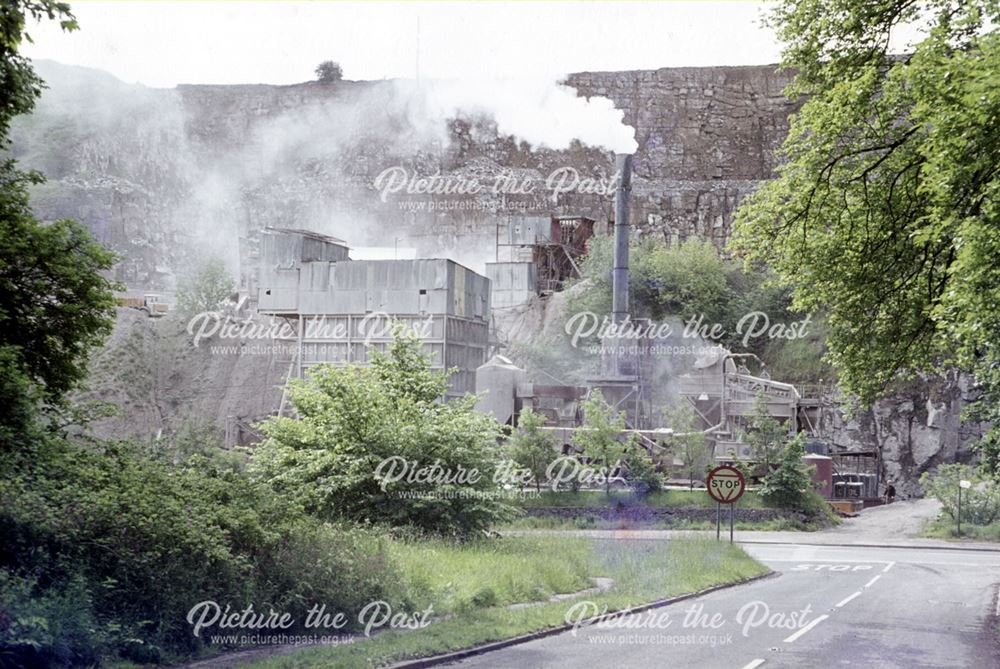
x=341 y=310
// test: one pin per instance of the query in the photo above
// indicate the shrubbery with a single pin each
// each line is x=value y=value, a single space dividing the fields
x=532 y=448
x=790 y=485
x=690 y=279
x=980 y=503
x=376 y=445
x=106 y=550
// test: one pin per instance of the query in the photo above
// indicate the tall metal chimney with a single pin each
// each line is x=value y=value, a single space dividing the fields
x=619 y=275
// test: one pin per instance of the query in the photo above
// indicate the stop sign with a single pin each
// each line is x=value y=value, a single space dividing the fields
x=726 y=484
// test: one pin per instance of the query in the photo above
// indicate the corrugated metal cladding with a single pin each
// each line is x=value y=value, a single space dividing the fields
x=512 y=283
x=458 y=342
x=283 y=254
x=530 y=230
x=308 y=275
x=430 y=286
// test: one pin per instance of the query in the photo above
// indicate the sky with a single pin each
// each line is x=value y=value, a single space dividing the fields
x=164 y=43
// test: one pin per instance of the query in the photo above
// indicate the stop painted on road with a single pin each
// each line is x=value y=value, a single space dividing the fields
x=831 y=567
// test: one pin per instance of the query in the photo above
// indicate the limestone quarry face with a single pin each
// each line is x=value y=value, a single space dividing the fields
x=163 y=175
x=916 y=429
x=167 y=178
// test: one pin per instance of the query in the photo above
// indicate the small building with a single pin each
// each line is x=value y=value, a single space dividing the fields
x=497 y=382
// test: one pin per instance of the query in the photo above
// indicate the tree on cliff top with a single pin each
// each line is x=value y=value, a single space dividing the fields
x=54 y=303
x=886 y=210
x=329 y=71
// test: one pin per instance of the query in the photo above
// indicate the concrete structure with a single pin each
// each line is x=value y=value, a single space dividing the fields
x=341 y=310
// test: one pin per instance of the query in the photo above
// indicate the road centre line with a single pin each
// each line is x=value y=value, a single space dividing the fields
x=872 y=582
x=888 y=567
x=847 y=599
x=754 y=664
x=805 y=629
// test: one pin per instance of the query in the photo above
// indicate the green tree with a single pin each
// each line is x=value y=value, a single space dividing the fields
x=207 y=289
x=689 y=281
x=790 y=485
x=885 y=211
x=329 y=71
x=377 y=445
x=55 y=303
x=532 y=447
x=600 y=436
x=688 y=443
x=640 y=469
x=766 y=437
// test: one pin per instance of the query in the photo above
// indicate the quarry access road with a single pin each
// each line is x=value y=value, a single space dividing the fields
x=891 y=525
x=828 y=606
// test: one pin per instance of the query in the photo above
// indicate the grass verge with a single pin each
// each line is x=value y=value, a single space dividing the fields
x=642 y=572
x=944 y=528
x=588 y=522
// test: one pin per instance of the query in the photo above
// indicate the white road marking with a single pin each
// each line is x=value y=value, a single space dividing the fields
x=805 y=629
x=888 y=563
x=888 y=567
x=824 y=560
x=872 y=582
x=754 y=664
x=848 y=599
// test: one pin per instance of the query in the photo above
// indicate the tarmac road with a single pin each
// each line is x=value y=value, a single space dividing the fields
x=830 y=606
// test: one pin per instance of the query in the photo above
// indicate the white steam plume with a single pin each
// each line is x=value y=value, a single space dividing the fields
x=543 y=113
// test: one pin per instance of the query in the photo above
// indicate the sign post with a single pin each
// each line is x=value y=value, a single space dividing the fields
x=725 y=484
x=962 y=485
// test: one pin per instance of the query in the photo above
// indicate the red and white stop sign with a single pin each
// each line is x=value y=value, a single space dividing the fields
x=726 y=484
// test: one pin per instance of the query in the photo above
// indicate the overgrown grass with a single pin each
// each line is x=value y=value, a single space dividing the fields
x=496 y=572
x=945 y=528
x=642 y=572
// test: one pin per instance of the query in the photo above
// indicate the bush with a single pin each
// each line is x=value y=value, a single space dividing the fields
x=600 y=435
x=47 y=627
x=641 y=473
x=207 y=289
x=790 y=484
x=133 y=543
x=377 y=445
x=980 y=503
x=532 y=447
x=686 y=280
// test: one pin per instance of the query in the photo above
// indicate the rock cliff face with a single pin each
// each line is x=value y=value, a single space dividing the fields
x=915 y=429
x=167 y=177
x=161 y=175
